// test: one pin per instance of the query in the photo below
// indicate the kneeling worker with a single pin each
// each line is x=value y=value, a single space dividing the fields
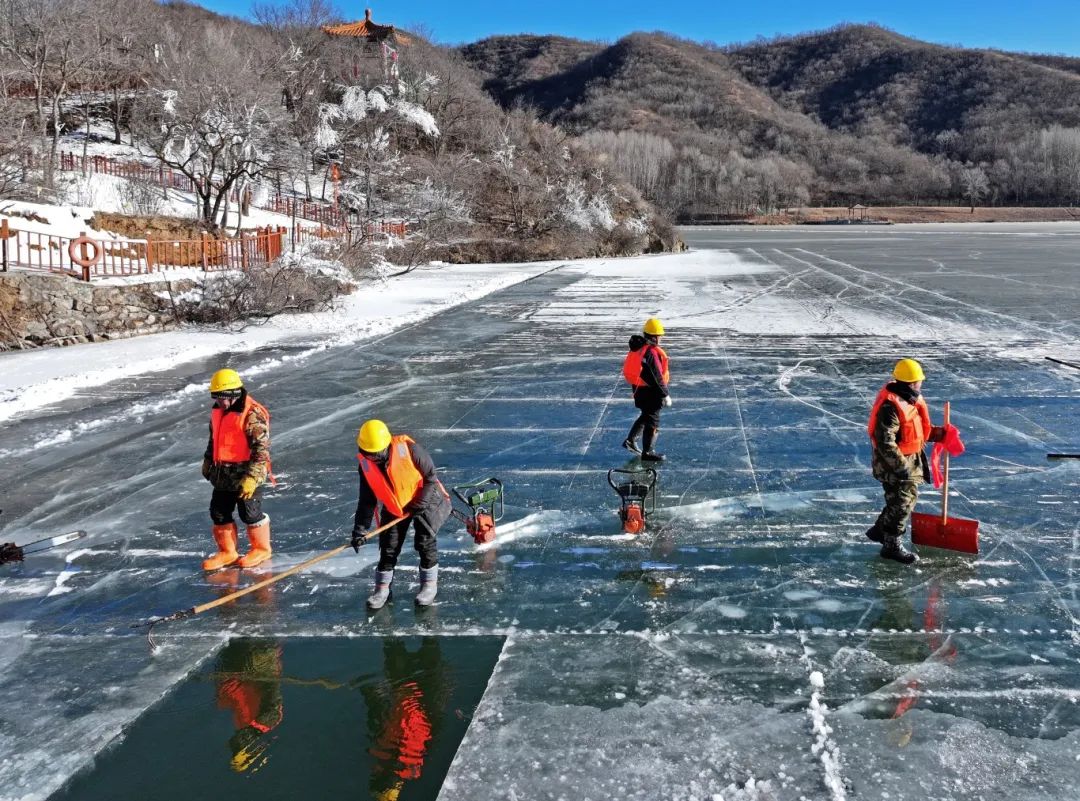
x=237 y=463
x=399 y=474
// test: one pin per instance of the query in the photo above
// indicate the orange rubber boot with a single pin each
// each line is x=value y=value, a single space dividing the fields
x=259 y=537
x=225 y=537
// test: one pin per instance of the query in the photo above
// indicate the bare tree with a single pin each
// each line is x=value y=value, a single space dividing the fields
x=974 y=184
x=295 y=62
x=215 y=118
x=55 y=49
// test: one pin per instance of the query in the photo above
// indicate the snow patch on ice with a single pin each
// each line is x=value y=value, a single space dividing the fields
x=534 y=525
x=722 y=509
x=67 y=572
x=824 y=747
x=34 y=379
x=731 y=611
x=751 y=790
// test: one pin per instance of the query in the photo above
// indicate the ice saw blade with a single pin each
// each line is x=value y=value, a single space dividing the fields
x=51 y=542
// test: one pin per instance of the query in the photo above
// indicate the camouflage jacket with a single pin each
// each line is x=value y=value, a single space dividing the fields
x=887 y=463
x=228 y=476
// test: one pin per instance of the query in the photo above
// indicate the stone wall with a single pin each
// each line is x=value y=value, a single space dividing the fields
x=39 y=309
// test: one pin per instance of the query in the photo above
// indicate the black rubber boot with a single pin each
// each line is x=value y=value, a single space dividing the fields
x=635 y=431
x=874 y=533
x=892 y=549
x=647 y=441
x=630 y=445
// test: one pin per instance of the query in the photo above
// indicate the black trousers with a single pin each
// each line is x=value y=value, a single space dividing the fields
x=223 y=502
x=426 y=526
x=649 y=401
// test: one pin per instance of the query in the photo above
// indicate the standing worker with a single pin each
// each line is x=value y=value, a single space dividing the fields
x=237 y=463
x=899 y=429
x=399 y=474
x=646 y=368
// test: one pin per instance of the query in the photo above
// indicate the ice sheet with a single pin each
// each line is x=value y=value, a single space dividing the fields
x=681 y=664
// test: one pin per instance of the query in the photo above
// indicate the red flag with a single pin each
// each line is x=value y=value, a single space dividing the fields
x=951 y=443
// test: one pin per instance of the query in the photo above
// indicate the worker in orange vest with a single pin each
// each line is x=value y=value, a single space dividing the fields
x=646 y=369
x=405 y=712
x=237 y=463
x=899 y=428
x=399 y=475
x=248 y=677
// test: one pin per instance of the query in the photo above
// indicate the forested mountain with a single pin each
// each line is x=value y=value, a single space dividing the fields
x=856 y=113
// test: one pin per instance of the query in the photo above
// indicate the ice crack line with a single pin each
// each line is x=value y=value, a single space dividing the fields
x=824 y=747
x=1011 y=319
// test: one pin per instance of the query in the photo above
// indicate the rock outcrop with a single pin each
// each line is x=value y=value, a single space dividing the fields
x=40 y=309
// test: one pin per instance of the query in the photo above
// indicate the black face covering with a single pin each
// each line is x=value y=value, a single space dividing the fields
x=380 y=458
x=237 y=395
x=904 y=390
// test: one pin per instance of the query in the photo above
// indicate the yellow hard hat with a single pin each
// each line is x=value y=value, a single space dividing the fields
x=225 y=380
x=248 y=748
x=390 y=793
x=374 y=436
x=654 y=327
x=908 y=371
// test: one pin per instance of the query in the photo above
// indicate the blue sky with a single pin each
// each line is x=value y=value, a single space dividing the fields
x=1046 y=26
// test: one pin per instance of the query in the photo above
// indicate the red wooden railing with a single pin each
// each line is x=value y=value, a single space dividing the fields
x=49 y=252
x=133 y=170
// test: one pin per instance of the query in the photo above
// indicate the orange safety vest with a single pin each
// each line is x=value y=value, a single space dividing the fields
x=228 y=431
x=631 y=368
x=914 y=421
x=405 y=481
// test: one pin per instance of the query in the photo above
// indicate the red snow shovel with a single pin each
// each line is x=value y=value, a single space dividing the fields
x=941 y=531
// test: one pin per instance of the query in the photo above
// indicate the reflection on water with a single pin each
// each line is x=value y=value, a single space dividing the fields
x=377 y=718
x=248 y=679
x=404 y=712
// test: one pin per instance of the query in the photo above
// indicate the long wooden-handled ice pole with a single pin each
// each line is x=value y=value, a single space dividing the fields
x=183 y=614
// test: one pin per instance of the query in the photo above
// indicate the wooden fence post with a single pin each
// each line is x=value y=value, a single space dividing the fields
x=243 y=252
x=86 y=258
x=150 y=256
x=205 y=266
x=5 y=233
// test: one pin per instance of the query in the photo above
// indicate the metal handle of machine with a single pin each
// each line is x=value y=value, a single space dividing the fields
x=491 y=498
x=622 y=471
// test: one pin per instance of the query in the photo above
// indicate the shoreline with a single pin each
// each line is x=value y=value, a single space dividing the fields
x=885 y=215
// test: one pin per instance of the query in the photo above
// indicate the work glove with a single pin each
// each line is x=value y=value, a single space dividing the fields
x=667 y=400
x=10 y=552
x=357 y=540
x=206 y=465
x=247 y=488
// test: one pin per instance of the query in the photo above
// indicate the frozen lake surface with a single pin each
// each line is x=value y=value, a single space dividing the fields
x=750 y=646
